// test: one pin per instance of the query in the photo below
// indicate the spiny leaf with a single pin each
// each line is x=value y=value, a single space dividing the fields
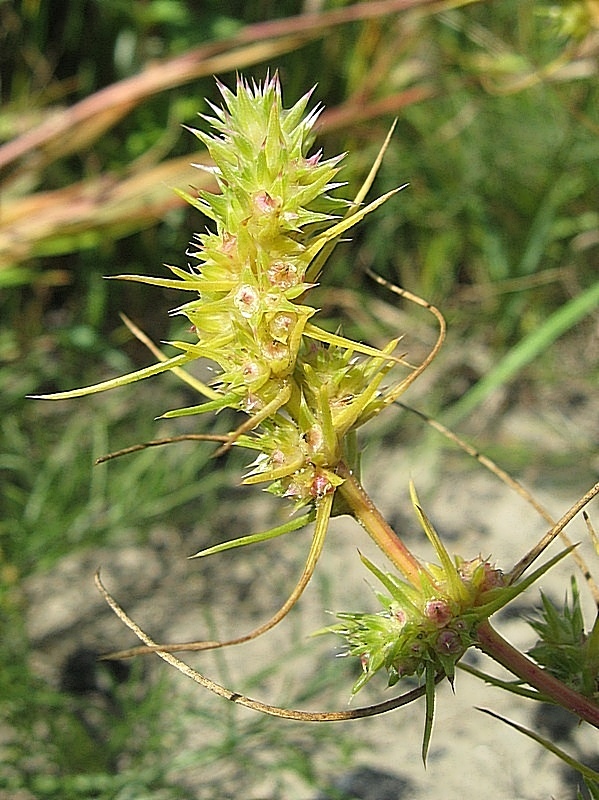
x=586 y=772
x=401 y=592
x=280 y=530
x=345 y=224
x=455 y=583
x=316 y=266
x=429 y=716
x=339 y=341
x=123 y=380
x=167 y=283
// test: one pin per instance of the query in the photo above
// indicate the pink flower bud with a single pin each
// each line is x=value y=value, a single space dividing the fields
x=481 y=574
x=320 y=486
x=264 y=202
x=448 y=643
x=438 y=611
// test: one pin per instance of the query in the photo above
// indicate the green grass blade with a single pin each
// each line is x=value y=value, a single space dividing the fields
x=593 y=789
x=524 y=352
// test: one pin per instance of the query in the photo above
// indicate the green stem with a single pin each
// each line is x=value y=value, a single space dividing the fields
x=495 y=646
x=370 y=518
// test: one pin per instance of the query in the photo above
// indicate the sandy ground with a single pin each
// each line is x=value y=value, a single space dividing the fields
x=471 y=755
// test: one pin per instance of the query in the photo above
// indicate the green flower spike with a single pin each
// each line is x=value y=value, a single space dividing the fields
x=425 y=629
x=304 y=391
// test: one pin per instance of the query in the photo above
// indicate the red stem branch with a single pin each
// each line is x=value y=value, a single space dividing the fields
x=495 y=646
x=376 y=526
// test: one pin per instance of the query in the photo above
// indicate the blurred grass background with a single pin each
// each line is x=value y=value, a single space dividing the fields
x=498 y=136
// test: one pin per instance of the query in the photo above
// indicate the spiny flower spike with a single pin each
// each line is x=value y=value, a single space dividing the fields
x=304 y=391
x=425 y=629
x=275 y=215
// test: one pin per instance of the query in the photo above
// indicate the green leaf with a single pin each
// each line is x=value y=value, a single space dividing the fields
x=123 y=380
x=515 y=687
x=429 y=716
x=264 y=536
x=456 y=586
x=524 y=352
x=587 y=773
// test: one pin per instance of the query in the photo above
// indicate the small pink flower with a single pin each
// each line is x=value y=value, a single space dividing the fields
x=229 y=244
x=438 y=611
x=250 y=371
x=247 y=300
x=252 y=403
x=314 y=438
x=281 y=324
x=275 y=351
x=277 y=458
x=320 y=486
x=294 y=489
x=282 y=274
x=448 y=643
x=264 y=202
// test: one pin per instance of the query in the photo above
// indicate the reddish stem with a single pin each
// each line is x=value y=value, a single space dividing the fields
x=375 y=525
x=495 y=646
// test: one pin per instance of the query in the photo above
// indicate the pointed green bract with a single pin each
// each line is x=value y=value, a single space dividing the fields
x=590 y=776
x=255 y=538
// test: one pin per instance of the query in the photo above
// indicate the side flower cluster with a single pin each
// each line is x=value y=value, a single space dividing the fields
x=427 y=625
x=419 y=628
